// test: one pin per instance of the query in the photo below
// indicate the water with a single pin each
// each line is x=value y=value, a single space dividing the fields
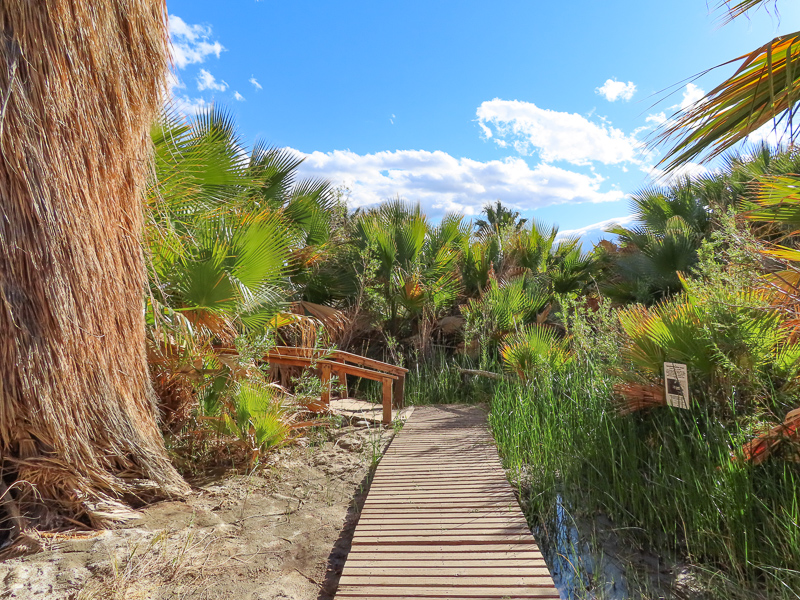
x=581 y=568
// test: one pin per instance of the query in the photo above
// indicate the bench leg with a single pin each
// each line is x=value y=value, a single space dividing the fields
x=399 y=385
x=387 y=401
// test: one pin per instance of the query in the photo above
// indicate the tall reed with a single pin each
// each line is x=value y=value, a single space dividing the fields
x=443 y=381
x=666 y=478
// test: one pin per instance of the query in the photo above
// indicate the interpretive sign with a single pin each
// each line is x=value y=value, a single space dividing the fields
x=676 y=384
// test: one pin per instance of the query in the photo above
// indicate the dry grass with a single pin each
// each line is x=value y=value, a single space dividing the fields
x=80 y=87
x=179 y=558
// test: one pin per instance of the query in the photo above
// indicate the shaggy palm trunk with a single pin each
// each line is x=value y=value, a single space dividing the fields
x=80 y=83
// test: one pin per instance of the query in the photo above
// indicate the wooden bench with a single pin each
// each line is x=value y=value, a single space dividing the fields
x=340 y=363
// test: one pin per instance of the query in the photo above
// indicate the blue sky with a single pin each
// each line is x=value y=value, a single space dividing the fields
x=541 y=105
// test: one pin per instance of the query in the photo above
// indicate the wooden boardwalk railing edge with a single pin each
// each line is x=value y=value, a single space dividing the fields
x=329 y=362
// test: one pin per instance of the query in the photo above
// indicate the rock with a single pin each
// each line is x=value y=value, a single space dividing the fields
x=351 y=444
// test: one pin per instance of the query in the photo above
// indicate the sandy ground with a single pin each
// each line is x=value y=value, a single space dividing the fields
x=283 y=532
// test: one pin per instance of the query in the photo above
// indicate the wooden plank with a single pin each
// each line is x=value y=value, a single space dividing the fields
x=399 y=392
x=369 y=362
x=453 y=571
x=442 y=521
x=361 y=372
x=442 y=495
x=436 y=521
x=291 y=351
x=335 y=367
x=461 y=528
x=408 y=580
x=475 y=549
x=437 y=539
x=414 y=593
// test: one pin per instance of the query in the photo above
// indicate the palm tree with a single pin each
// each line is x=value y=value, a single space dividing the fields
x=233 y=240
x=672 y=223
x=81 y=88
x=537 y=250
x=498 y=217
x=415 y=263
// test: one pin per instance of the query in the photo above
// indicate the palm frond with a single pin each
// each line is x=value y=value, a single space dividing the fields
x=764 y=88
x=737 y=9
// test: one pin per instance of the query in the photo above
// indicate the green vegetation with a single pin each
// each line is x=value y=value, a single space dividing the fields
x=666 y=481
x=565 y=346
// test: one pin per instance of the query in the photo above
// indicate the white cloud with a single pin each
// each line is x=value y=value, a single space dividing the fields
x=189 y=106
x=174 y=82
x=595 y=231
x=690 y=169
x=657 y=118
x=767 y=133
x=691 y=96
x=238 y=96
x=255 y=83
x=443 y=183
x=206 y=81
x=191 y=43
x=613 y=90
x=556 y=135
x=391 y=119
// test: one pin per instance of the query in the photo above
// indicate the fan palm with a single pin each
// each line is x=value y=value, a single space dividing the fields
x=498 y=217
x=505 y=309
x=672 y=223
x=534 y=348
x=81 y=88
x=233 y=238
x=764 y=89
x=415 y=264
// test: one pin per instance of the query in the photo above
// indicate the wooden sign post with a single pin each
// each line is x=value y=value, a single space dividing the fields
x=676 y=384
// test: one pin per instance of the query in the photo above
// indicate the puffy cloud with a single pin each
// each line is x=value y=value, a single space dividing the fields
x=691 y=96
x=206 y=81
x=174 y=82
x=191 y=43
x=613 y=90
x=595 y=231
x=238 y=96
x=255 y=83
x=189 y=106
x=690 y=169
x=769 y=134
x=556 y=135
x=443 y=183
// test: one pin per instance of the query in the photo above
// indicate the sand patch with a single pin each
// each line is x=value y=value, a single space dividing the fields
x=281 y=532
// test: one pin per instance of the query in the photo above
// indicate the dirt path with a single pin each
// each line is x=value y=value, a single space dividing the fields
x=283 y=532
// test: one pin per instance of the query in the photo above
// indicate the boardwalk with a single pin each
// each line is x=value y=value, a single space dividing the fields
x=441 y=520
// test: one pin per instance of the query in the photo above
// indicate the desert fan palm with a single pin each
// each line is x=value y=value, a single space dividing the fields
x=81 y=85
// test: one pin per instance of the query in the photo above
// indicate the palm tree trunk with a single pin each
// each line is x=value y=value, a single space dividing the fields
x=80 y=83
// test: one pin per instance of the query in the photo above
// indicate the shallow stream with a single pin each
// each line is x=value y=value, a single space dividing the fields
x=589 y=560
